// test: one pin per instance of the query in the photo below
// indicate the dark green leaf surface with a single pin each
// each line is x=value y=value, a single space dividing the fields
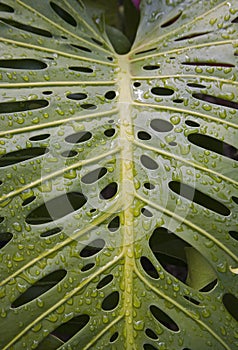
x=118 y=178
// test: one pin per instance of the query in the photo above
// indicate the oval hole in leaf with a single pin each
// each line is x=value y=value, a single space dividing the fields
x=137 y=84
x=151 y=67
x=172 y=20
x=192 y=123
x=39 y=288
x=6 y=8
x=105 y=281
x=109 y=191
x=163 y=318
x=82 y=48
x=235 y=20
x=230 y=302
x=198 y=197
x=63 y=14
x=210 y=286
x=148 y=162
x=149 y=186
x=94 y=175
x=196 y=85
x=87 y=267
x=191 y=300
x=114 y=224
x=1 y=219
x=56 y=208
x=97 y=42
x=234 y=234
x=47 y=92
x=109 y=132
x=5 y=238
x=142 y=135
x=79 y=137
x=169 y=251
x=146 y=213
x=161 y=125
x=191 y=35
x=149 y=347
x=22 y=155
x=51 y=232
x=111 y=301
x=235 y=199
x=23 y=63
x=208 y=64
x=110 y=95
x=178 y=100
x=67 y=330
x=21 y=106
x=148 y=267
x=92 y=248
x=114 y=337
x=77 y=96
x=151 y=334
x=81 y=69
x=39 y=137
x=215 y=100
x=27 y=28
x=145 y=51
x=28 y=200
x=69 y=154
x=214 y=145
x=161 y=91
x=89 y=106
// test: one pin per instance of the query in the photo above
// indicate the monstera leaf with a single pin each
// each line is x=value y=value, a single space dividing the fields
x=118 y=178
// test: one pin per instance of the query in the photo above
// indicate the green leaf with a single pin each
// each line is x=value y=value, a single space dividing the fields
x=112 y=167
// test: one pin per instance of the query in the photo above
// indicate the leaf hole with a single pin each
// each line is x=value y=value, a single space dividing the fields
x=67 y=330
x=172 y=143
x=114 y=224
x=47 y=92
x=151 y=67
x=27 y=28
x=39 y=137
x=69 y=154
x=191 y=300
x=137 y=84
x=235 y=199
x=51 y=232
x=82 y=48
x=192 y=123
x=161 y=125
x=235 y=20
x=111 y=301
x=109 y=191
x=178 y=100
x=87 y=267
x=198 y=197
x=39 y=288
x=94 y=175
x=145 y=51
x=114 y=337
x=97 y=42
x=148 y=267
x=146 y=213
x=109 y=132
x=210 y=286
x=234 y=235
x=149 y=186
x=56 y=208
x=161 y=91
x=23 y=63
x=231 y=304
x=22 y=155
x=143 y=135
x=214 y=145
x=64 y=15
x=163 y=318
x=81 y=69
x=171 y=20
x=105 y=281
x=110 y=58
x=110 y=95
x=79 y=137
x=208 y=64
x=21 y=106
x=6 y=8
x=77 y=96
x=5 y=238
x=191 y=35
x=151 y=334
x=1 y=219
x=196 y=85
x=28 y=200
x=89 y=106
x=93 y=248
x=148 y=162
x=215 y=100
x=149 y=347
